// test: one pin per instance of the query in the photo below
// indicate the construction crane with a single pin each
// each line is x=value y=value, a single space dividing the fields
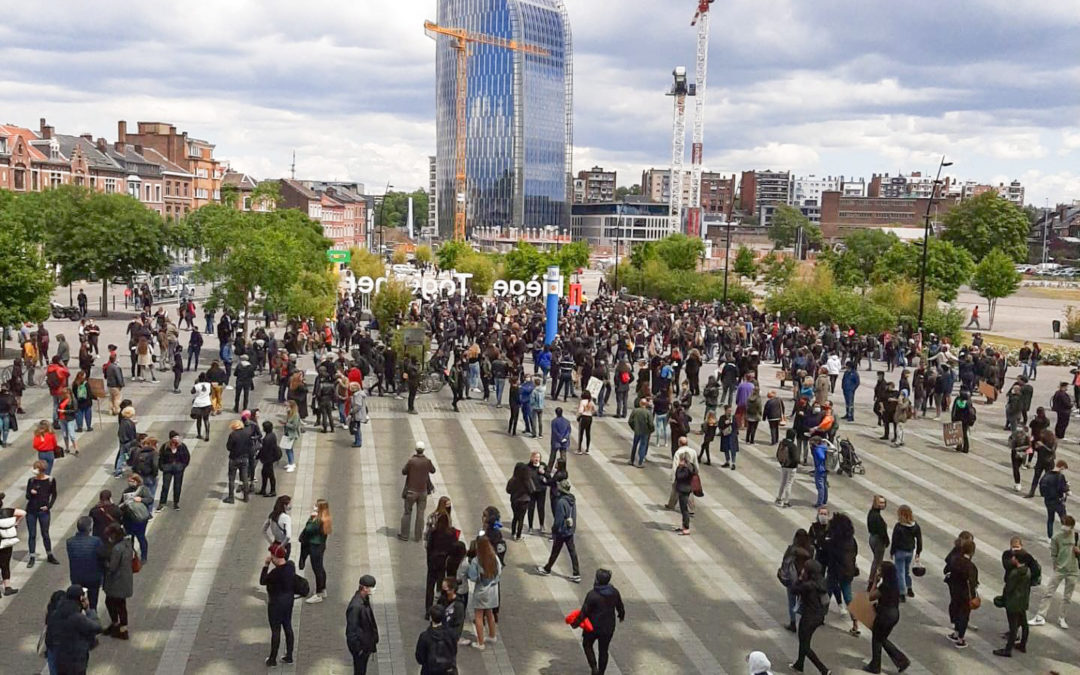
x=701 y=20
x=679 y=90
x=462 y=41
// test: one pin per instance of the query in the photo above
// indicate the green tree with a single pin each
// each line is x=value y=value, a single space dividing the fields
x=394 y=209
x=312 y=294
x=364 y=263
x=777 y=270
x=524 y=261
x=862 y=250
x=679 y=251
x=267 y=195
x=25 y=283
x=572 y=256
x=622 y=191
x=390 y=303
x=448 y=252
x=482 y=268
x=745 y=262
x=995 y=277
x=106 y=236
x=423 y=254
x=786 y=221
x=947 y=266
x=399 y=256
x=986 y=222
x=229 y=195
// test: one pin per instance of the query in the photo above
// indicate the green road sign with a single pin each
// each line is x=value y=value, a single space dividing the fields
x=338 y=256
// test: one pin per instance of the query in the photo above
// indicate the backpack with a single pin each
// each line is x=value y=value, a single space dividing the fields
x=145 y=464
x=301 y=587
x=787 y=574
x=52 y=378
x=783 y=453
x=624 y=377
x=441 y=658
x=296 y=381
x=1050 y=487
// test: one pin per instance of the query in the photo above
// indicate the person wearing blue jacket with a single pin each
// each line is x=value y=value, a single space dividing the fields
x=536 y=405
x=525 y=400
x=821 y=475
x=849 y=384
x=562 y=532
x=85 y=553
x=543 y=361
x=560 y=436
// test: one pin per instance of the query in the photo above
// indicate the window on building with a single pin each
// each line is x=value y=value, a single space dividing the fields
x=148 y=192
x=247 y=203
x=34 y=181
x=20 y=179
x=110 y=186
x=185 y=186
x=202 y=173
x=55 y=179
x=157 y=193
x=133 y=189
x=93 y=182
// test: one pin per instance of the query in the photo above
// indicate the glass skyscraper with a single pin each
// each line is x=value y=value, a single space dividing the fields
x=519 y=115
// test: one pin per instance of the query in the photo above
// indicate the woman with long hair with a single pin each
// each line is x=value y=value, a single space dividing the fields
x=201 y=406
x=118 y=582
x=887 y=598
x=293 y=427
x=135 y=505
x=905 y=548
x=313 y=544
x=585 y=412
x=40 y=499
x=841 y=549
x=45 y=444
x=810 y=588
x=278 y=526
x=441 y=543
x=519 y=487
x=84 y=402
x=217 y=378
x=485 y=571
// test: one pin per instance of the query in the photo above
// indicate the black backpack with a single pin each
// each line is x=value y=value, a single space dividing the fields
x=441 y=656
x=52 y=378
x=301 y=587
x=146 y=464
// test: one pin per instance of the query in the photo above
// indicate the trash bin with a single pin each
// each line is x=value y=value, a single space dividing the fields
x=1056 y=326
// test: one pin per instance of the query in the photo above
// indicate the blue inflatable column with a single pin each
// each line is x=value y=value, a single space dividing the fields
x=553 y=285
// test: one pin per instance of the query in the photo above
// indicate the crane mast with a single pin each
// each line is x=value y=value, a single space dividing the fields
x=701 y=19
x=679 y=90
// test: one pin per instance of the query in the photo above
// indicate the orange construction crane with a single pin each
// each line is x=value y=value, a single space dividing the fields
x=462 y=39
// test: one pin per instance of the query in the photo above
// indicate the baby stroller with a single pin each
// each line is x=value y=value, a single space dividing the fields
x=850 y=463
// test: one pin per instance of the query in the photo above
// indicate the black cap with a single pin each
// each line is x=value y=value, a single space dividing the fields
x=367 y=581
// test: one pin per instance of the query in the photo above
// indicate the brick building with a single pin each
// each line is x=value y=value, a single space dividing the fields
x=841 y=215
x=597 y=186
x=176 y=181
x=190 y=154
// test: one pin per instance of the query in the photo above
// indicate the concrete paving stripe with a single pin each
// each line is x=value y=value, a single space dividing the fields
x=62 y=521
x=679 y=631
x=951 y=496
x=563 y=594
x=185 y=628
x=767 y=551
x=759 y=617
x=391 y=657
x=500 y=664
x=301 y=497
x=987 y=590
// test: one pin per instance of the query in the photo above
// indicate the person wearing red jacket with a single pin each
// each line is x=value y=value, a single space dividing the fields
x=56 y=376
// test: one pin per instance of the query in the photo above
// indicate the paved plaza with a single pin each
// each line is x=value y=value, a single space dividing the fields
x=695 y=604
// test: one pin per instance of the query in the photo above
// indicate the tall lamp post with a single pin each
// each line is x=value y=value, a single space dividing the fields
x=727 y=256
x=926 y=242
x=382 y=208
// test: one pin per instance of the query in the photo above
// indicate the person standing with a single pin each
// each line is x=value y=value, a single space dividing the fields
x=811 y=591
x=280 y=585
x=173 y=459
x=774 y=415
x=277 y=528
x=71 y=627
x=239 y=446
x=886 y=598
x=1064 y=556
x=201 y=406
x=40 y=498
x=195 y=343
x=906 y=547
x=1054 y=490
x=358 y=413
x=840 y=553
x=1062 y=405
x=796 y=554
x=562 y=532
x=84 y=403
x=537 y=489
x=9 y=536
x=515 y=406
x=485 y=571
x=641 y=422
x=601 y=607
x=819 y=451
x=313 y=544
x=417 y=472
x=269 y=454
x=436 y=648
x=962 y=577
x=291 y=435
x=787 y=454
x=45 y=445
x=560 y=436
x=245 y=382
x=1045 y=447
x=118 y=582
x=519 y=487
x=1016 y=596
x=114 y=382
x=536 y=405
x=361 y=631
x=85 y=553
x=879 y=537
x=848 y=385
x=442 y=539
x=586 y=410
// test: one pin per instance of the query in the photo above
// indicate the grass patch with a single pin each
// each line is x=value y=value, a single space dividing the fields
x=1051 y=293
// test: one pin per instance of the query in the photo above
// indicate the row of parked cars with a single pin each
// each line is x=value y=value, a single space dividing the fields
x=1053 y=270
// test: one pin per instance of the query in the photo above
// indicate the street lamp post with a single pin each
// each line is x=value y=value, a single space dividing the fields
x=727 y=256
x=926 y=242
x=382 y=209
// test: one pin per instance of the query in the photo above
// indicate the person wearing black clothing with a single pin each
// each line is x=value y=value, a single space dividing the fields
x=879 y=537
x=389 y=370
x=40 y=498
x=537 y=493
x=515 y=406
x=436 y=648
x=71 y=627
x=239 y=447
x=245 y=382
x=519 y=487
x=1061 y=404
x=280 y=592
x=412 y=376
x=361 y=631
x=269 y=453
x=602 y=604
x=812 y=595
x=440 y=544
x=886 y=596
x=104 y=513
x=195 y=343
x=962 y=578
x=1045 y=446
x=453 y=604
x=173 y=459
x=177 y=358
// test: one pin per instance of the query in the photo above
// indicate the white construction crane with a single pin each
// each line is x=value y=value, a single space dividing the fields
x=701 y=20
x=679 y=90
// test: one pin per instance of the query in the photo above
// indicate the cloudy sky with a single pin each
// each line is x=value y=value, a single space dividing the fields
x=826 y=87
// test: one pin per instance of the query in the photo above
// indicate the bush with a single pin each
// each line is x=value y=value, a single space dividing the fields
x=1072 y=323
x=657 y=280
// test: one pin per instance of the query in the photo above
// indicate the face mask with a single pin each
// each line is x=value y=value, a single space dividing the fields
x=822 y=519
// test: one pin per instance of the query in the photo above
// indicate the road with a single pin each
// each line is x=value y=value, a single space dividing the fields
x=695 y=604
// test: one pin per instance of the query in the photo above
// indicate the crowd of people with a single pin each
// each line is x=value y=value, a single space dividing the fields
x=656 y=358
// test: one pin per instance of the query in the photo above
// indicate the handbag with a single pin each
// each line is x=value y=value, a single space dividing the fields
x=195 y=413
x=695 y=486
x=999 y=601
x=976 y=602
x=136 y=563
x=13 y=422
x=58 y=452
